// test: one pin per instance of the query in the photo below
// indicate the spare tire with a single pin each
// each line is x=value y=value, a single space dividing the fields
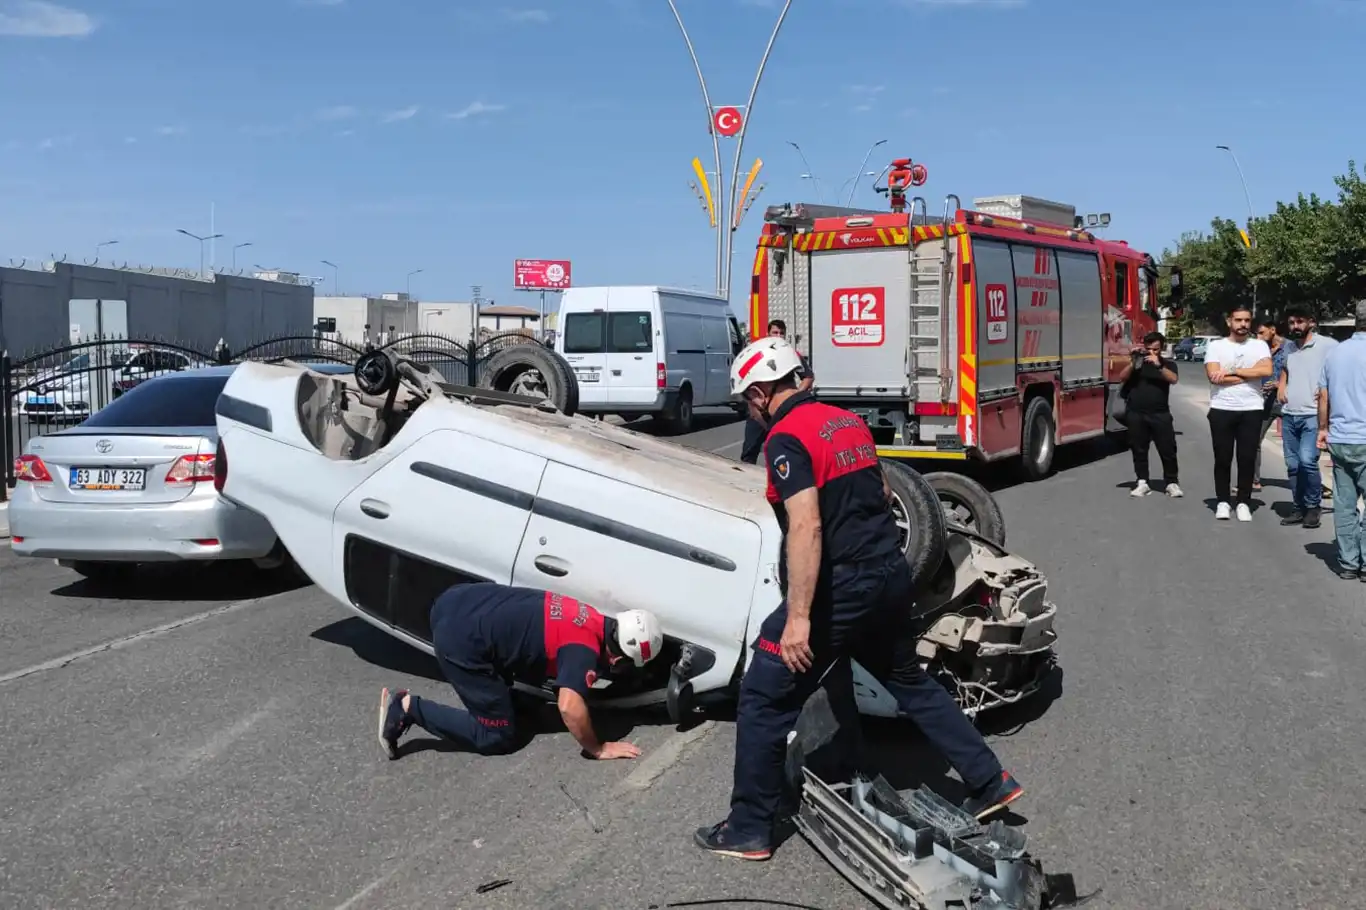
x=535 y=371
x=920 y=518
x=966 y=502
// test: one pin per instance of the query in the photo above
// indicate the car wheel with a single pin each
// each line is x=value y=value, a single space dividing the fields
x=679 y=420
x=534 y=371
x=966 y=502
x=1039 y=441
x=923 y=533
x=104 y=573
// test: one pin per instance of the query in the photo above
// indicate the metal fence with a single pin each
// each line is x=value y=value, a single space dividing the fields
x=46 y=390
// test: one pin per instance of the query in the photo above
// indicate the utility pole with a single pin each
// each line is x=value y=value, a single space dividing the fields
x=728 y=121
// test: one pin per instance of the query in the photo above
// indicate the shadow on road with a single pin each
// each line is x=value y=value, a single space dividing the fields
x=998 y=476
x=1325 y=552
x=215 y=581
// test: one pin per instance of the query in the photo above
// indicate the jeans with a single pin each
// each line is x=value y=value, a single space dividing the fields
x=1349 y=483
x=1230 y=431
x=866 y=618
x=1153 y=428
x=753 y=446
x=1269 y=416
x=1298 y=438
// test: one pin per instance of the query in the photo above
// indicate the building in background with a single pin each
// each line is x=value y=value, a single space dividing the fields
x=51 y=304
x=356 y=319
x=509 y=318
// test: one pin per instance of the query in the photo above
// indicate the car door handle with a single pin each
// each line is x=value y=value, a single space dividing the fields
x=551 y=565
x=374 y=508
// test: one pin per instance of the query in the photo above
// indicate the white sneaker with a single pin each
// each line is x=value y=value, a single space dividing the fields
x=1140 y=489
x=1244 y=513
x=1223 y=512
x=1174 y=491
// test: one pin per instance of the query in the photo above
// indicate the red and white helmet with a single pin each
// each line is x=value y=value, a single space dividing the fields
x=639 y=635
x=766 y=360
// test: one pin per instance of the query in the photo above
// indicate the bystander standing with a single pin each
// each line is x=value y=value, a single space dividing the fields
x=1236 y=366
x=1297 y=390
x=756 y=430
x=1267 y=331
x=1147 y=380
x=1342 y=431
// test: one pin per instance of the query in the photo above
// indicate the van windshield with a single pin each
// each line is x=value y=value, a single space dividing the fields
x=608 y=333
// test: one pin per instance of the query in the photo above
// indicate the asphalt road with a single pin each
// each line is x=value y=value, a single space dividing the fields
x=208 y=740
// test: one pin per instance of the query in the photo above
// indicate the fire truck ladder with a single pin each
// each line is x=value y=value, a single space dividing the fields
x=930 y=286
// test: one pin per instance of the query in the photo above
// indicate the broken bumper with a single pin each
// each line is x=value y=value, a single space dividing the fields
x=917 y=850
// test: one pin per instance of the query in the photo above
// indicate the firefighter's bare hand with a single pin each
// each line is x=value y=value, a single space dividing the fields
x=795 y=644
x=617 y=750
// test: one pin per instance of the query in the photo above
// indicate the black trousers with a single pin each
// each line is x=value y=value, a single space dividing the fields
x=1153 y=428
x=1235 y=432
x=753 y=447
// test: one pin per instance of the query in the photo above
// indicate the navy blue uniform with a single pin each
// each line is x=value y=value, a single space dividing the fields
x=487 y=635
x=861 y=609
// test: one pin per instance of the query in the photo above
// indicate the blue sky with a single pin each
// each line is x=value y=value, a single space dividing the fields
x=455 y=136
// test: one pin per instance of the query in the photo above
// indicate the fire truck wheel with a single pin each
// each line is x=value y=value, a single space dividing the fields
x=536 y=371
x=1039 y=440
x=968 y=503
x=920 y=520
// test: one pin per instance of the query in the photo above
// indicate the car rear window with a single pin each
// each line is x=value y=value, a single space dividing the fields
x=608 y=333
x=171 y=401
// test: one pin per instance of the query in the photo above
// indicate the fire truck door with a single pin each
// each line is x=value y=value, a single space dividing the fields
x=1039 y=314
x=995 y=310
x=1083 y=317
x=860 y=321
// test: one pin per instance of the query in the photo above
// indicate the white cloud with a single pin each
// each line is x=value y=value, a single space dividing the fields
x=406 y=113
x=475 y=109
x=531 y=16
x=998 y=4
x=170 y=131
x=130 y=140
x=320 y=2
x=336 y=112
x=40 y=19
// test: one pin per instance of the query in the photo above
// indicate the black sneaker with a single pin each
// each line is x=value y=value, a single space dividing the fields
x=1293 y=518
x=1311 y=518
x=997 y=795
x=718 y=839
x=393 y=723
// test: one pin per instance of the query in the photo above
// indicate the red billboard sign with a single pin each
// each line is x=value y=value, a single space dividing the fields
x=540 y=274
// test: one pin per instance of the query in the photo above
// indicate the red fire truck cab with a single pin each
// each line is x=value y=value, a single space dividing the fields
x=972 y=336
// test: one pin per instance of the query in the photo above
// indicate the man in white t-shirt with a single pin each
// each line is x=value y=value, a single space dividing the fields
x=1236 y=366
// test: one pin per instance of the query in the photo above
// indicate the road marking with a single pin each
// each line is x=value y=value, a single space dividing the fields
x=665 y=757
x=58 y=662
x=728 y=446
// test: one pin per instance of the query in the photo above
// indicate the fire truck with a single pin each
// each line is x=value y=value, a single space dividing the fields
x=984 y=334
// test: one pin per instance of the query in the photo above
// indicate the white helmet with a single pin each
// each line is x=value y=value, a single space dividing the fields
x=639 y=635
x=766 y=360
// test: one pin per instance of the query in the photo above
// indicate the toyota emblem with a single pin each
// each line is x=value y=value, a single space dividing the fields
x=104 y=446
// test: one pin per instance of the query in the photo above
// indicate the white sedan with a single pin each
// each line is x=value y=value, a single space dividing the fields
x=389 y=486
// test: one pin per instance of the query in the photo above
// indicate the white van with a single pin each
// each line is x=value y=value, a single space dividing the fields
x=649 y=350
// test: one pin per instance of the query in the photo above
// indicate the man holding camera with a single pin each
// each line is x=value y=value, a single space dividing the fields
x=1146 y=383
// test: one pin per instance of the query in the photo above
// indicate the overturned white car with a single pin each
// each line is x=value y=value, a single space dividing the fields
x=389 y=485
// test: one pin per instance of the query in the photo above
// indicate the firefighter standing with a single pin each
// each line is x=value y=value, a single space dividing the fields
x=486 y=635
x=847 y=592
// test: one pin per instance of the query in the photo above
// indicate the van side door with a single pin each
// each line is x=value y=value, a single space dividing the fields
x=716 y=335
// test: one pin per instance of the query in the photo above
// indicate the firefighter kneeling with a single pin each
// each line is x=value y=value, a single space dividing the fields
x=847 y=591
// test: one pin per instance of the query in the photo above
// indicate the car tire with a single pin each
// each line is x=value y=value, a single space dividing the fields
x=104 y=573
x=1038 y=439
x=507 y=371
x=678 y=419
x=925 y=533
x=968 y=503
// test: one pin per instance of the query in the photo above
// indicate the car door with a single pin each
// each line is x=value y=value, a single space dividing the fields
x=618 y=545
x=453 y=501
x=632 y=364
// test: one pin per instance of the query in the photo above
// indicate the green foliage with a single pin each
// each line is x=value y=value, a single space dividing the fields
x=1309 y=253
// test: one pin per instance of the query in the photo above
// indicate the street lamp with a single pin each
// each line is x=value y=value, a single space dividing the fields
x=853 y=179
x=859 y=172
x=809 y=175
x=726 y=226
x=99 y=246
x=335 y=272
x=408 y=299
x=234 y=253
x=201 y=240
x=1251 y=213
